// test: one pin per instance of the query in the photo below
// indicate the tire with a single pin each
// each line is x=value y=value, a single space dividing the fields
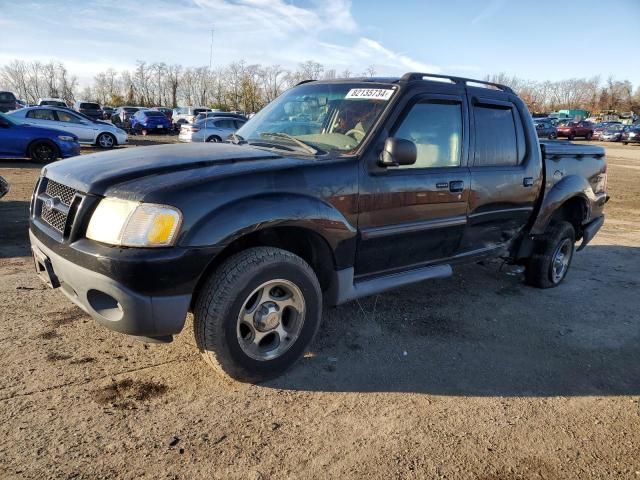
x=214 y=138
x=43 y=151
x=541 y=271
x=571 y=136
x=625 y=143
x=553 y=136
x=106 y=141
x=225 y=339
x=589 y=136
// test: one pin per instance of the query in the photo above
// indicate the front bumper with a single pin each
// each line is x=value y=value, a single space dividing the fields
x=109 y=302
x=69 y=149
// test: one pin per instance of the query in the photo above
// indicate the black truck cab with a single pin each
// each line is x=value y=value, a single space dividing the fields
x=336 y=190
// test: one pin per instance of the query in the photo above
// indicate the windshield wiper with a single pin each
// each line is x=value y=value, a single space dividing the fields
x=285 y=136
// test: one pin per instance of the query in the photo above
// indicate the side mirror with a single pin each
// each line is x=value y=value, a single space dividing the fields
x=398 y=151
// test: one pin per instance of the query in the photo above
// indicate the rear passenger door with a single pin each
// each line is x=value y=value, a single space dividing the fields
x=414 y=215
x=41 y=117
x=505 y=175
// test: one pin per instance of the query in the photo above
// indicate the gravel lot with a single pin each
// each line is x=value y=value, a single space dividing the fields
x=476 y=376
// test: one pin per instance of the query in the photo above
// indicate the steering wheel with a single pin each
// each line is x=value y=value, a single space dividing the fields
x=356 y=134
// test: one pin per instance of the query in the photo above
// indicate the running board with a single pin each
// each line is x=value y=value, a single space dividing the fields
x=345 y=289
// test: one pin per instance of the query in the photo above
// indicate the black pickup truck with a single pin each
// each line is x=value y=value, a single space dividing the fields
x=336 y=190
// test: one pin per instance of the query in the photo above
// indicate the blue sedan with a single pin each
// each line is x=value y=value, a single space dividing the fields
x=18 y=140
x=148 y=121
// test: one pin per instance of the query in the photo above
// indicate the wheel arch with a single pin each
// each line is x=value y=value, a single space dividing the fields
x=42 y=139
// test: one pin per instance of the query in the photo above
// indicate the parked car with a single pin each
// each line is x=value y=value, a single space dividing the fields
x=8 y=102
x=122 y=116
x=572 y=130
x=612 y=133
x=631 y=135
x=254 y=236
x=20 y=140
x=52 y=102
x=107 y=112
x=203 y=115
x=213 y=129
x=90 y=109
x=168 y=112
x=145 y=121
x=545 y=129
x=187 y=114
x=89 y=131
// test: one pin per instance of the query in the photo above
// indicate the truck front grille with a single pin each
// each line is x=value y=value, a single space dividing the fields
x=53 y=204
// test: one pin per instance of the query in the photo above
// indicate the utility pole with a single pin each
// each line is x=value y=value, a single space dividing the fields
x=211 y=51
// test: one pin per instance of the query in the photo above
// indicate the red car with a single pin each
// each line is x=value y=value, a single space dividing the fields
x=572 y=130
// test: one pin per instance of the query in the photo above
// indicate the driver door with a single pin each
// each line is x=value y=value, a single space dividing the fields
x=414 y=215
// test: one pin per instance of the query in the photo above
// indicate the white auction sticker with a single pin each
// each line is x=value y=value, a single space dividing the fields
x=369 y=93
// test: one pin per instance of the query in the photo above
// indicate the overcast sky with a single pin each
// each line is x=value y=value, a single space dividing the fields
x=542 y=39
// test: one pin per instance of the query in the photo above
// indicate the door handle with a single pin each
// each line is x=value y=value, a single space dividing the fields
x=456 y=186
x=527 y=182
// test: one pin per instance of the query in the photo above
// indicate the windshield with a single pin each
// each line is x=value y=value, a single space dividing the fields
x=131 y=109
x=332 y=116
x=53 y=103
x=90 y=106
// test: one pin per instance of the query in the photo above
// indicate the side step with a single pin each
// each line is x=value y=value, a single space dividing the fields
x=346 y=289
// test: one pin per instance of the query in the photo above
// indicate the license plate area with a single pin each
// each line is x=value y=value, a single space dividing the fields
x=44 y=269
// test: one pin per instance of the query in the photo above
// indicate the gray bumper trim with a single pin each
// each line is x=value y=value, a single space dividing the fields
x=134 y=313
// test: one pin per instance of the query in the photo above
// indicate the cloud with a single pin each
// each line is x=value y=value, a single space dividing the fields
x=116 y=34
x=491 y=10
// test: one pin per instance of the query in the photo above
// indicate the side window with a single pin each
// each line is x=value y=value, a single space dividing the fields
x=41 y=114
x=436 y=130
x=496 y=137
x=225 y=124
x=238 y=123
x=67 y=117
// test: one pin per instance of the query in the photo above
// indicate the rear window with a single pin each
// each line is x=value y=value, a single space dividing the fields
x=7 y=97
x=153 y=113
x=90 y=106
x=131 y=109
x=53 y=103
x=496 y=137
x=196 y=111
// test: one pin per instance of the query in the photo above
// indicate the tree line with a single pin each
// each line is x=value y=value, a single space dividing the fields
x=248 y=87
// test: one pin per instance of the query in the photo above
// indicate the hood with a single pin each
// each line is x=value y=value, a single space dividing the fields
x=167 y=164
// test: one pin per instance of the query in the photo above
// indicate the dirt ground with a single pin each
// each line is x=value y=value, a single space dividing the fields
x=476 y=376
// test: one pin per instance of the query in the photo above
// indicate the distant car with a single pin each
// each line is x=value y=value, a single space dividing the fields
x=88 y=131
x=20 y=140
x=107 y=112
x=168 y=112
x=122 y=116
x=203 y=115
x=52 y=102
x=4 y=187
x=572 y=130
x=187 y=114
x=145 y=121
x=612 y=133
x=8 y=102
x=545 y=129
x=90 y=109
x=631 y=135
x=215 y=129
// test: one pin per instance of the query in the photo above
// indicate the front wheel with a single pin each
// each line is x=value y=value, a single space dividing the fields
x=550 y=262
x=589 y=136
x=214 y=138
x=571 y=136
x=43 y=151
x=257 y=313
x=553 y=136
x=106 y=140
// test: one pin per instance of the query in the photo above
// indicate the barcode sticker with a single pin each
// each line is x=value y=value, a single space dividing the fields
x=369 y=94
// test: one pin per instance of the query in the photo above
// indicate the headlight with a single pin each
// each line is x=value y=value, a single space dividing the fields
x=66 y=138
x=133 y=224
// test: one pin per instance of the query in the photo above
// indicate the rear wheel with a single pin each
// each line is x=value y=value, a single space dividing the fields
x=43 y=151
x=257 y=313
x=106 y=140
x=589 y=136
x=214 y=138
x=553 y=136
x=571 y=136
x=549 y=264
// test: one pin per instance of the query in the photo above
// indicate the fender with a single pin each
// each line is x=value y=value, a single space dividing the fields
x=567 y=188
x=236 y=219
